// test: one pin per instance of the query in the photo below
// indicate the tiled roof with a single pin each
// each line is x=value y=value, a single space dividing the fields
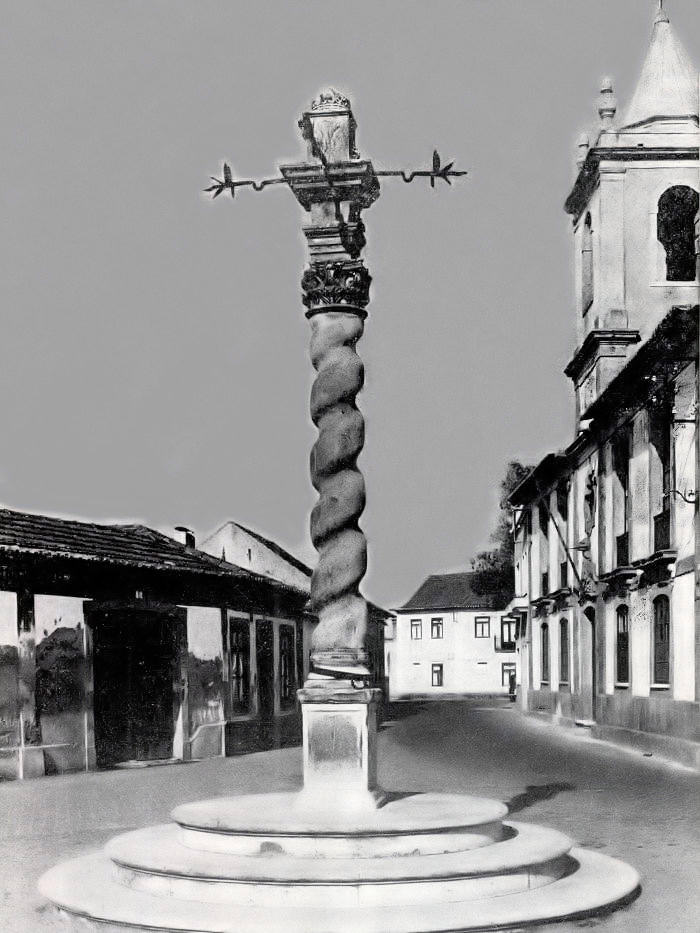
x=134 y=545
x=451 y=591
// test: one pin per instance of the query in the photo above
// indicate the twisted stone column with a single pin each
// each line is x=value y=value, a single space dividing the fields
x=339 y=639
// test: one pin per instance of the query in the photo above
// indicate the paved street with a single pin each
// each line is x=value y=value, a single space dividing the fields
x=635 y=808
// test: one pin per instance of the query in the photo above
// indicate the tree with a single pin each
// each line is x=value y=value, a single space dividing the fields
x=494 y=568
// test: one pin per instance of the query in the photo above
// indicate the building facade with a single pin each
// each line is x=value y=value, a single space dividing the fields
x=606 y=531
x=449 y=639
x=119 y=644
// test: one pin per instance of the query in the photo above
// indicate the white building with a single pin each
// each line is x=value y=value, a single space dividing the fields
x=451 y=640
x=606 y=531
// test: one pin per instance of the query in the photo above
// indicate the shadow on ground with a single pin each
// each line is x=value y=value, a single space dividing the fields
x=536 y=793
x=395 y=712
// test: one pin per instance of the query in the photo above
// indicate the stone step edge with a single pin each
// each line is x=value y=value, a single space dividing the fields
x=332 y=847
x=531 y=848
x=280 y=814
x=84 y=888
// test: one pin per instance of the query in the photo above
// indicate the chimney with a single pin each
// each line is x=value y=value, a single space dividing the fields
x=184 y=536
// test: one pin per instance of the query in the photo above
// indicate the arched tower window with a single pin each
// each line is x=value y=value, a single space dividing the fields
x=622 y=646
x=544 y=632
x=662 y=640
x=587 y=265
x=564 y=651
x=675 y=230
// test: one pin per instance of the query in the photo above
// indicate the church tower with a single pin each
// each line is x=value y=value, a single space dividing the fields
x=634 y=205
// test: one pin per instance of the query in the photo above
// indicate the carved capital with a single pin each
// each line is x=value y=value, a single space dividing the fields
x=345 y=284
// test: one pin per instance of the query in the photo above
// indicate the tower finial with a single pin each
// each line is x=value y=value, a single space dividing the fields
x=582 y=147
x=608 y=105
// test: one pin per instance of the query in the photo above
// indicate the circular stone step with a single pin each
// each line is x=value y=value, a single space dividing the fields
x=152 y=860
x=85 y=887
x=289 y=822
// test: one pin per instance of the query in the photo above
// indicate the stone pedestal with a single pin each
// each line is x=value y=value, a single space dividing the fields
x=339 y=736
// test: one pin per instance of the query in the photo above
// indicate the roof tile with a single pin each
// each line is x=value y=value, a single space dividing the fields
x=451 y=591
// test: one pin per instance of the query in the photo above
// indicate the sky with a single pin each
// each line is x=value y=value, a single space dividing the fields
x=153 y=347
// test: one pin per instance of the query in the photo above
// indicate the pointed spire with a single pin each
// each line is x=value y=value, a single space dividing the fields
x=668 y=85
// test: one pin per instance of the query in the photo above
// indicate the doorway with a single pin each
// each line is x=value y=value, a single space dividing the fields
x=265 y=662
x=589 y=664
x=135 y=666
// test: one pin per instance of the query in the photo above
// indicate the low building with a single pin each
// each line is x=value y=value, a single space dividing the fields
x=606 y=530
x=120 y=644
x=451 y=640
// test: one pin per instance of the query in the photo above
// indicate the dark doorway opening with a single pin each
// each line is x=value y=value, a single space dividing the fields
x=590 y=669
x=135 y=665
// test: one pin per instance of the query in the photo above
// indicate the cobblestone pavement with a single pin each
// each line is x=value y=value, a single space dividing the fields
x=638 y=809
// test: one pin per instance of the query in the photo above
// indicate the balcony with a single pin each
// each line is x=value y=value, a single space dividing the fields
x=662 y=531
x=500 y=646
x=622 y=550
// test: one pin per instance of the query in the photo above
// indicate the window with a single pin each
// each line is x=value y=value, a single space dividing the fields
x=239 y=666
x=587 y=265
x=662 y=641
x=286 y=669
x=543 y=515
x=675 y=230
x=436 y=628
x=563 y=651
x=506 y=671
x=660 y=427
x=563 y=501
x=507 y=633
x=544 y=636
x=482 y=627
x=300 y=651
x=622 y=646
x=416 y=629
x=437 y=675
x=563 y=511
x=621 y=504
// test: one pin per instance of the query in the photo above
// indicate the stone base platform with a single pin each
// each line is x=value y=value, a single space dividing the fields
x=274 y=862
